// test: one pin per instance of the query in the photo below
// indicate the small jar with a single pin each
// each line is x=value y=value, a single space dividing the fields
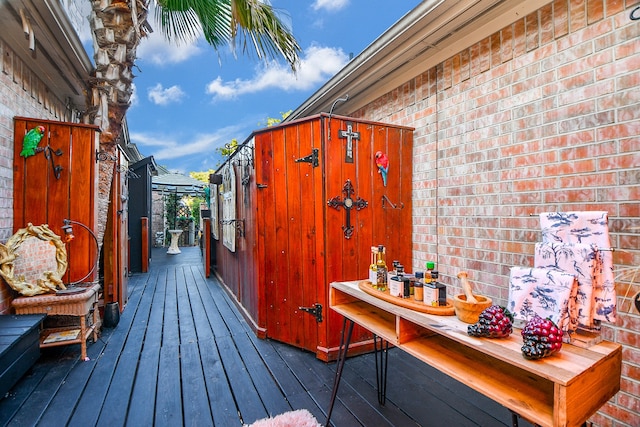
x=418 y=289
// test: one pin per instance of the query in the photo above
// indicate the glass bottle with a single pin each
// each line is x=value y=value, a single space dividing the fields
x=373 y=269
x=418 y=290
x=381 y=270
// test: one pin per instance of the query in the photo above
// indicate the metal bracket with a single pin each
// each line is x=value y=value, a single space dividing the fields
x=316 y=310
x=311 y=158
x=384 y=197
x=48 y=154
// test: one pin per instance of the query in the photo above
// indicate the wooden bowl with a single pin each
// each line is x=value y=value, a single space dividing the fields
x=469 y=312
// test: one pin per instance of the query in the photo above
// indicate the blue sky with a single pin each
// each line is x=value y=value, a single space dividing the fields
x=190 y=100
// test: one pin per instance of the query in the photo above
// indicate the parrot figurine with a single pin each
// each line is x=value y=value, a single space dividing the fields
x=31 y=141
x=382 y=161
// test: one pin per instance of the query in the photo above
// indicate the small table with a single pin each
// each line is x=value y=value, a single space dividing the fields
x=175 y=236
x=79 y=304
x=563 y=389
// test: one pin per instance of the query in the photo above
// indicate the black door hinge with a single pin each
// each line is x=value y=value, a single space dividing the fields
x=316 y=310
x=311 y=158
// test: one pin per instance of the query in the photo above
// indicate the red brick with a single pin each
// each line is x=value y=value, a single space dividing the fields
x=532 y=31
x=560 y=18
x=519 y=38
x=613 y=7
x=546 y=24
x=595 y=10
x=577 y=15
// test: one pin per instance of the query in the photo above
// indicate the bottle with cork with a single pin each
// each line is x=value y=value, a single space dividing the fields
x=381 y=270
x=373 y=269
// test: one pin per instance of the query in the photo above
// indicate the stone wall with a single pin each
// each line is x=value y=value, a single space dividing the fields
x=543 y=115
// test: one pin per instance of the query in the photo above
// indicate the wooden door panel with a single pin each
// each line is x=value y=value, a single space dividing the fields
x=294 y=282
x=265 y=230
x=293 y=205
x=30 y=179
x=42 y=198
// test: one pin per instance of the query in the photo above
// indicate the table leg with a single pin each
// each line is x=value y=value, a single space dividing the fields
x=342 y=356
x=96 y=321
x=83 y=338
x=382 y=357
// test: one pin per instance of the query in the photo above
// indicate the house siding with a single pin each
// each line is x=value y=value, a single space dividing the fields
x=543 y=115
x=22 y=93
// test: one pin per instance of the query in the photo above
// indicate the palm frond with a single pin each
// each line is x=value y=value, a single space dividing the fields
x=256 y=24
x=252 y=24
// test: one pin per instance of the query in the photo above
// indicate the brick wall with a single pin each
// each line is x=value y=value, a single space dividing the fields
x=543 y=115
x=22 y=93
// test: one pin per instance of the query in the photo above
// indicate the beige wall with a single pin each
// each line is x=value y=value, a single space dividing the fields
x=544 y=115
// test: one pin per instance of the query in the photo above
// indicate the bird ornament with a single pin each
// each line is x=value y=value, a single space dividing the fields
x=31 y=141
x=382 y=162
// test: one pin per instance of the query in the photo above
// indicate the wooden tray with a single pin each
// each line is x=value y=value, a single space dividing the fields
x=443 y=310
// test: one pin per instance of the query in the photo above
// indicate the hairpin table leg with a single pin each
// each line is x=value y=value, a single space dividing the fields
x=342 y=356
x=381 y=356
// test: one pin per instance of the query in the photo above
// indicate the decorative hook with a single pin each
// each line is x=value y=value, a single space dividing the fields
x=385 y=198
x=102 y=156
x=57 y=169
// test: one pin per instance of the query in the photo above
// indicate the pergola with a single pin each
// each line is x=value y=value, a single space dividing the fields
x=178 y=185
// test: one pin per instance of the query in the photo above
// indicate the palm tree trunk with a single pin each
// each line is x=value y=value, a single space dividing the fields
x=117 y=28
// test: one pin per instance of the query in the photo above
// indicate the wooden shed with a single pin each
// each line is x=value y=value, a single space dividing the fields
x=300 y=205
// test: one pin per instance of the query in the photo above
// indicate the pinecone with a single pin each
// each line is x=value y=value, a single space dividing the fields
x=494 y=322
x=541 y=338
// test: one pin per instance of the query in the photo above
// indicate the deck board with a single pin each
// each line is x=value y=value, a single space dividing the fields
x=183 y=355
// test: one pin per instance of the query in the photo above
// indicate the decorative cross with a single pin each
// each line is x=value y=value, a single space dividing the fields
x=347 y=203
x=350 y=135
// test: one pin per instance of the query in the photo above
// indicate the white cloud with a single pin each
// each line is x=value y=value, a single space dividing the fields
x=331 y=5
x=164 y=96
x=317 y=65
x=164 y=146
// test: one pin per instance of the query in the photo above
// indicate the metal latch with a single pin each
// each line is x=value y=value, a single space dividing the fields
x=311 y=158
x=316 y=310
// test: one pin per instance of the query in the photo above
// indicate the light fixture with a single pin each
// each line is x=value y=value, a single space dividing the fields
x=67 y=228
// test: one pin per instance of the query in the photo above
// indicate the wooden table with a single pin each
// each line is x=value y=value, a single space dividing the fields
x=79 y=305
x=564 y=389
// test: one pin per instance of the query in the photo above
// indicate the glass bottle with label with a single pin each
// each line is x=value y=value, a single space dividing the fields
x=381 y=270
x=373 y=269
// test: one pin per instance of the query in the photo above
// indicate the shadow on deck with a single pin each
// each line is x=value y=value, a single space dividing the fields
x=183 y=355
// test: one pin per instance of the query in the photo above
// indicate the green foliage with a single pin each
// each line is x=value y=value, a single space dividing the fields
x=271 y=121
x=228 y=149
x=171 y=201
x=202 y=175
x=253 y=25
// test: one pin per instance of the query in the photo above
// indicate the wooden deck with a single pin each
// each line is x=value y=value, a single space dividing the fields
x=183 y=355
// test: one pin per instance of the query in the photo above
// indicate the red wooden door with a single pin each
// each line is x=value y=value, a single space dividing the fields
x=292 y=260
x=379 y=214
x=63 y=186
